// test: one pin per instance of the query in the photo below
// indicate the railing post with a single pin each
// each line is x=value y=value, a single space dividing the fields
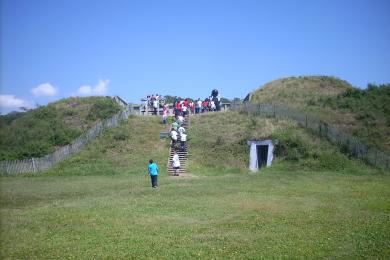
x=306 y=120
x=274 y=111
x=33 y=164
x=376 y=155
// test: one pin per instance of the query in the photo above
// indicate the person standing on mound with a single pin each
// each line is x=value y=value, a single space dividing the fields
x=153 y=172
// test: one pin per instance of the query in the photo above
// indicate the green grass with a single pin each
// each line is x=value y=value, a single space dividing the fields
x=361 y=113
x=275 y=213
x=123 y=149
x=219 y=141
x=299 y=92
x=371 y=108
x=40 y=131
x=99 y=203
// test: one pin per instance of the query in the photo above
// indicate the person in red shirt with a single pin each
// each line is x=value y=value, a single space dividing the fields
x=178 y=108
x=186 y=102
x=205 y=105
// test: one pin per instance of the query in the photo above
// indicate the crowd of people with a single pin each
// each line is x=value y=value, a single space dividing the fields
x=183 y=107
x=188 y=106
x=153 y=102
x=178 y=132
x=181 y=110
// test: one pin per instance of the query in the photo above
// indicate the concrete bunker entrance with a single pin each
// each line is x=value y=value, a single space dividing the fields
x=261 y=154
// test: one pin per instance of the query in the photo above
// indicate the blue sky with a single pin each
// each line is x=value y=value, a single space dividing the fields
x=55 y=49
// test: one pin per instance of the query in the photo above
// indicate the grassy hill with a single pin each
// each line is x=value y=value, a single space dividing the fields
x=39 y=131
x=362 y=113
x=312 y=203
x=299 y=92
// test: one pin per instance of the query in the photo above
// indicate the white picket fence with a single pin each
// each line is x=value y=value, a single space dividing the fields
x=34 y=165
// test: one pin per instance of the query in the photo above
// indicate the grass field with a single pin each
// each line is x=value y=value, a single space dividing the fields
x=275 y=213
x=99 y=203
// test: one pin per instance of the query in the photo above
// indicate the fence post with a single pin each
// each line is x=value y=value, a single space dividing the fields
x=376 y=155
x=33 y=164
x=306 y=120
x=274 y=111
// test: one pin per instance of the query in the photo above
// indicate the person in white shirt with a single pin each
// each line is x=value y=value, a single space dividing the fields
x=174 y=137
x=180 y=119
x=192 y=108
x=155 y=106
x=176 y=164
x=185 y=110
x=181 y=130
x=212 y=105
x=165 y=114
x=218 y=103
x=183 y=140
x=198 y=106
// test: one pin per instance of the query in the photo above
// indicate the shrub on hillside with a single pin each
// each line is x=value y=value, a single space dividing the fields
x=102 y=109
x=290 y=146
x=371 y=108
x=35 y=134
x=38 y=132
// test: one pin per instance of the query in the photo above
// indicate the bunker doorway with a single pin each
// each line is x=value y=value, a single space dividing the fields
x=262 y=155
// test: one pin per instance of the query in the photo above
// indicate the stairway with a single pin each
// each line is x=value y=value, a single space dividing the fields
x=183 y=154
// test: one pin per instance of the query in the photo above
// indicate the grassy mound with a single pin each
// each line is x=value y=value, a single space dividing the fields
x=299 y=92
x=39 y=131
x=362 y=113
x=219 y=141
x=125 y=149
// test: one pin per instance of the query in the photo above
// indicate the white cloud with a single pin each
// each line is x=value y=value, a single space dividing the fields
x=10 y=101
x=45 y=89
x=85 y=90
x=99 y=89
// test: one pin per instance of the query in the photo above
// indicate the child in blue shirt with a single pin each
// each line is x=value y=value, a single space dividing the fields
x=153 y=172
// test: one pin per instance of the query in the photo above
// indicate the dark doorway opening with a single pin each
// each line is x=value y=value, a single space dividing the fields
x=262 y=155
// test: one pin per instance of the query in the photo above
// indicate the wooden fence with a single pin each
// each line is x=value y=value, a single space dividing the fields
x=34 y=165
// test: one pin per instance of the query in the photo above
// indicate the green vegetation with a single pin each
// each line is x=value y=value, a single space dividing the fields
x=217 y=138
x=299 y=92
x=39 y=131
x=371 y=108
x=361 y=113
x=99 y=203
x=123 y=149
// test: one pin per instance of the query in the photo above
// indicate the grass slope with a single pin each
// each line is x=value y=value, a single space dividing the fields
x=219 y=140
x=299 y=92
x=99 y=204
x=125 y=149
x=39 y=131
x=362 y=113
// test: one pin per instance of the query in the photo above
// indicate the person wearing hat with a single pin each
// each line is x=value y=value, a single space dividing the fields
x=174 y=137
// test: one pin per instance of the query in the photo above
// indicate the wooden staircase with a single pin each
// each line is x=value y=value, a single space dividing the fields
x=183 y=154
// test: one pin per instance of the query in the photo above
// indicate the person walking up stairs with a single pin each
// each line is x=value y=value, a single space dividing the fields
x=181 y=152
